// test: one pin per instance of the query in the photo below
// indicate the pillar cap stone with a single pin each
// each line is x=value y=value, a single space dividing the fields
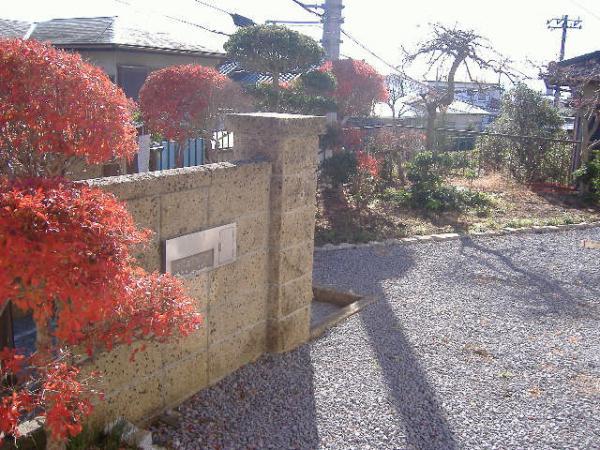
x=285 y=123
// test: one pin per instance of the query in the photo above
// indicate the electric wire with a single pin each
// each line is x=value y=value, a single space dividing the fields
x=586 y=9
x=238 y=19
x=379 y=58
x=216 y=8
x=306 y=8
x=174 y=18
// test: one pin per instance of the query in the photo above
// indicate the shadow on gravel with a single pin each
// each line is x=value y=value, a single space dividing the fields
x=549 y=296
x=413 y=397
x=267 y=404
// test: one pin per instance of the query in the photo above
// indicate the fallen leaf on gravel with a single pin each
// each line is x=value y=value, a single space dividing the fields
x=479 y=351
x=587 y=384
x=535 y=391
x=506 y=374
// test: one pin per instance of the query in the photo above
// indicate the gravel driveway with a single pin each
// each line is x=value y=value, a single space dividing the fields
x=483 y=343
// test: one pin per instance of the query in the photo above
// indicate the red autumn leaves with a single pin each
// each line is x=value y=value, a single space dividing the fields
x=66 y=248
x=178 y=101
x=53 y=101
x=359 y=86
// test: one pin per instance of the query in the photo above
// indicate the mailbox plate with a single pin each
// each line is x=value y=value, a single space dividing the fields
x=201 y=251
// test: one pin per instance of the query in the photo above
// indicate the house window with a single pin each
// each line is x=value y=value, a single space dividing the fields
x=131 y=79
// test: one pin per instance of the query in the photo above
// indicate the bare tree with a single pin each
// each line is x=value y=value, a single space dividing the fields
x=453 y=48
x=582 y=80
x=396 y=88
x=587 y=103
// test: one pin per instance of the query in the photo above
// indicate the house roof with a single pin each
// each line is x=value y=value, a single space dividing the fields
x=114 y=32
x=593 y=57
x=458 y=107
x=472 y=84
x=234 y=71
x=13 y=28
x=578 y=70
x=415 y=105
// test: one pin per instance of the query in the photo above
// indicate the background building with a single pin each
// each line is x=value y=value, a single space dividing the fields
x=127 y=51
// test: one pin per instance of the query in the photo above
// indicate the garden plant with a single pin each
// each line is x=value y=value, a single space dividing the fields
x=66 y=249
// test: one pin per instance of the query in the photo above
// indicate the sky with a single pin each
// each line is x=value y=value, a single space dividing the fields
x=515 y=28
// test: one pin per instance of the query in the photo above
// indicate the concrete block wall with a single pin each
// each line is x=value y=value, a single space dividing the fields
x=257 y=304
x=291 y=143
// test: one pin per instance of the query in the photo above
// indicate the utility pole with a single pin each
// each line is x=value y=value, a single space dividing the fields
x=565 y=24
x=332 y=28
x=332 y=21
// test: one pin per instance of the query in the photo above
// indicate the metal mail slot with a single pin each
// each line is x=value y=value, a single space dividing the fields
x=201 y=251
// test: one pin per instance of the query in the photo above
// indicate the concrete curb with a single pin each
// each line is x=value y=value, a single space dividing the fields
x=443 y=237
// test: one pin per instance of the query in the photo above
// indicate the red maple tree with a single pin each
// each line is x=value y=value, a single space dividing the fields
x=359 y=86
x=353 y=139
x=367 y=164
x=65 y=250
x=54 y=386
x=181 y=102
x=54 y=106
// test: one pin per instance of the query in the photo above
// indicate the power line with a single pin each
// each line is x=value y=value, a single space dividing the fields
x=213 y=7
x=586 y=9
x=375 y=55
x=174 y=18
x=238 y=19
x=308 y=8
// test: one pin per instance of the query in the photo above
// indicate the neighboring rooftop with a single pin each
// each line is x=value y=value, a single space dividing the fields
x=234 y=71
x=581 y=69
x=13 y=28
x=464 y=84
x=593 y=57
x=413 y=105
x=113 y=32
x=458 y=107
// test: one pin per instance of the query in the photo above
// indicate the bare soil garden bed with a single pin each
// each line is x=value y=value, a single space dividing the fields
x=514 y=205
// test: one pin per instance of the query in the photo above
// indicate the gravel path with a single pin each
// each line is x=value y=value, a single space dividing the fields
x=484 y=343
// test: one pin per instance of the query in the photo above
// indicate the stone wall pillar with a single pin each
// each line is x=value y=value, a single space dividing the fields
x=290 y=143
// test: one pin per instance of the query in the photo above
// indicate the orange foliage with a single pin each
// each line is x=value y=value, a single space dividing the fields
x=51 y=101
x=367 y=164
x=178 y=101
x=359 y=86
x=65 y=253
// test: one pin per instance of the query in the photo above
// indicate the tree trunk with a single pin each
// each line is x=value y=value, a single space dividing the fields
x=276 y=90
x=590 y=125
x=590 y=129
x=430 y=133
x=44 y=349
x=179 y=149
x=52 y=444
x=209 y=154
x=441 y=101
x=6 y=326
